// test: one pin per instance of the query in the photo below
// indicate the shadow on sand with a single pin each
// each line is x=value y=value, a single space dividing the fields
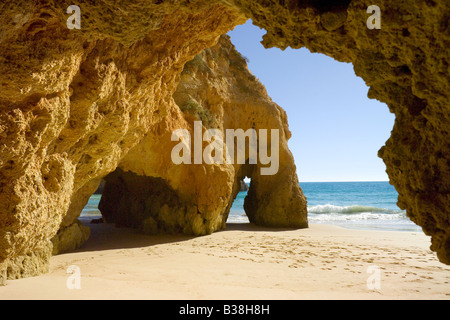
x=108 y=236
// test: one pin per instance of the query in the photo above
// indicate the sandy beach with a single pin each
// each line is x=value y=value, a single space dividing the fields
x=245 y=262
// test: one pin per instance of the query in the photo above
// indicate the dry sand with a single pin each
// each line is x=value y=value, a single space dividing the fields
x=244 y=262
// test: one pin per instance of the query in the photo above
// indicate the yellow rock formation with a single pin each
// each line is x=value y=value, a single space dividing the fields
x=77 y=105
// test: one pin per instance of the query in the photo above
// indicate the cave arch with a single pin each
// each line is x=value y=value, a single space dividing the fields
x=399 y=73
x=61 y=90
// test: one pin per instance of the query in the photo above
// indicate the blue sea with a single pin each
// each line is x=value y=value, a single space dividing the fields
x=359 y=205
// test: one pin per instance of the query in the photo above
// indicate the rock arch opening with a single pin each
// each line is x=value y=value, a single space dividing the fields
x=336 y=133
x=237 y=212
x=76 y=105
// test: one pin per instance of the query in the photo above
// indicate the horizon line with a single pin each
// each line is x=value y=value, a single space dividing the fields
x=336 y=181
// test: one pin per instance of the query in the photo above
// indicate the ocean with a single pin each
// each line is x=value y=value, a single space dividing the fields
x=357 y=205
x=360 y=205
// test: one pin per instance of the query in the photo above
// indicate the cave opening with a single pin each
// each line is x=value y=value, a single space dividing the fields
x=337 y=132
x=75 y=109
x=91 y=213
x=237 y=213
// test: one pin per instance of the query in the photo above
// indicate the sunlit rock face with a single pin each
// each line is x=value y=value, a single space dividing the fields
x=73 y=102
x=151 y=192
x=77 y=104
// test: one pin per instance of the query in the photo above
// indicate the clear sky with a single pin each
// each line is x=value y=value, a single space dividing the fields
x=336 y=129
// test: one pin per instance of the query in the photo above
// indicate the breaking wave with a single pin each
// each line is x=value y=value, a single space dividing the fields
x=354 y=209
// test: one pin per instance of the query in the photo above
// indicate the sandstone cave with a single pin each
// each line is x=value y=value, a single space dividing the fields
x=79 y=105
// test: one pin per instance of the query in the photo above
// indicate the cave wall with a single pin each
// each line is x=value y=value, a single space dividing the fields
x=406 y=66
x=217 y=89
x=74 y=103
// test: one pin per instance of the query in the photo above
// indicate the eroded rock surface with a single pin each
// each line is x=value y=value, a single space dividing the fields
x=77 y=104
x=406 y=65
x=74 y=102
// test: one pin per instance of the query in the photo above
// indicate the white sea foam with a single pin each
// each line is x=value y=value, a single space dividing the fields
x=361 y=217
x=353 y=209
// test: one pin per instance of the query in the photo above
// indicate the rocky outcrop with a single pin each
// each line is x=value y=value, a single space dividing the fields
x=150 y=192
x=75 y=105
x=74 y=102
x=406 y=65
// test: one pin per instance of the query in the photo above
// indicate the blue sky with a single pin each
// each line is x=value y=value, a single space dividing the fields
x=336 y=130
